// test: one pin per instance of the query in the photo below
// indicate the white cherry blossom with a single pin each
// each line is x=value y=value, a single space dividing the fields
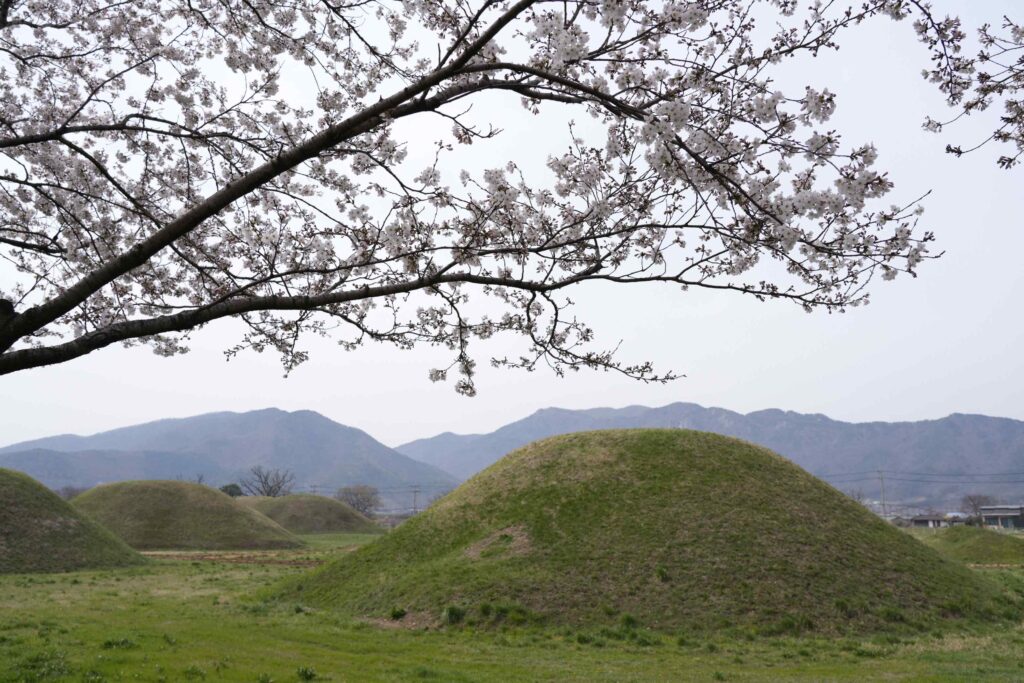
x=168 y=163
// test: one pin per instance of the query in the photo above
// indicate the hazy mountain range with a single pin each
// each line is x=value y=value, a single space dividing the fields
x=923 y=461
x=927 y=462
x=222 y=447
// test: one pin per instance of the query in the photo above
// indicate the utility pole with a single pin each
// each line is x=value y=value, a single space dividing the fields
x=881 y=480
x=415 y=500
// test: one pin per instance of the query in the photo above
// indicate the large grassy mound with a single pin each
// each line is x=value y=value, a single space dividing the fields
x=170 y=515
x=975 y=545
x=665 y=528
x=304 y=513
x=39 y=532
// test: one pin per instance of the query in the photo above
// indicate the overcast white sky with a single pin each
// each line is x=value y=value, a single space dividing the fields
x=950 y=341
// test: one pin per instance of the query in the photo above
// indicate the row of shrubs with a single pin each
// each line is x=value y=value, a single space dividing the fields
x=485 y=614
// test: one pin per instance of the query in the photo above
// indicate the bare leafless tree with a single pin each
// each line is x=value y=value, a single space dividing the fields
x=858 y=496
x=364 y=499
x=262 y=481
x=973 y=502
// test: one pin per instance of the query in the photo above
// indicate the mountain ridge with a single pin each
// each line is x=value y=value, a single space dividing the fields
x=957 y=443
x=222 y=446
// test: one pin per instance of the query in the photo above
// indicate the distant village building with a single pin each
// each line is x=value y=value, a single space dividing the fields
x=1003 y=516
x=957 y=518
x=934 y=521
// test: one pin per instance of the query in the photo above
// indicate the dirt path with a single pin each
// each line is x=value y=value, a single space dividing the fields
x=289 y=558
x=235 y=557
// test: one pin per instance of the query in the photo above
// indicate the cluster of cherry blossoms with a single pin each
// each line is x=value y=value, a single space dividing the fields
x=168 y=163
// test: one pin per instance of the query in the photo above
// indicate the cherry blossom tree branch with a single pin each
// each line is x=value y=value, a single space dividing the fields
x=395 y=106
x=158 y=171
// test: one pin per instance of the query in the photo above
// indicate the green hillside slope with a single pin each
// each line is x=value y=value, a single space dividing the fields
x=304 y=513
x=40 y=532
x=167 y=515
x=670 y=528
x=975 y=545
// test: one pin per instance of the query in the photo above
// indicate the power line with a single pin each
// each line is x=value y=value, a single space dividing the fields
x=836 y=475
x=935 y=480
x=930 y=480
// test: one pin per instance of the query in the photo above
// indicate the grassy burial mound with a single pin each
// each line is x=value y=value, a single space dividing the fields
x=178 y=515
x=304 y=513
x=668 y=529
x=39 y=532
x=975 y=545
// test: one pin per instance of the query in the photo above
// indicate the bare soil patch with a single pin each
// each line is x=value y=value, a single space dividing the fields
x=412 y=621
x=510 y=541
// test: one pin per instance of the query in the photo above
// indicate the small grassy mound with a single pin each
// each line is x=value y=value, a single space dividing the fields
x=178 y=515
x=976 y=545
x=40 y=532
x=304 y=513
x=668 y=529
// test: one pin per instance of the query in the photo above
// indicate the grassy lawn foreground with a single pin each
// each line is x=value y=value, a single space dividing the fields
x=181 y=619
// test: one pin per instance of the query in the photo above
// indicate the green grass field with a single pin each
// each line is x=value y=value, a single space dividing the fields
x=974 y=545
x=614 y=556
x=183 y=619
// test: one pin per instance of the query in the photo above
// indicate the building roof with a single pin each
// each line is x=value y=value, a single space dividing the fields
x=1007 y=510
